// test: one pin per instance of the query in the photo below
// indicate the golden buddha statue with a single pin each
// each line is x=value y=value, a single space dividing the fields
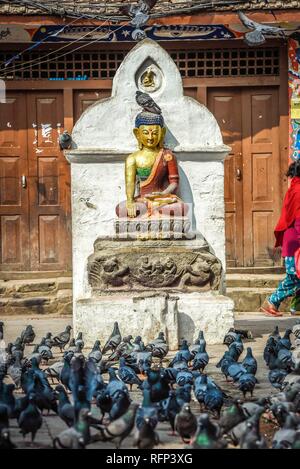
x=151 y=172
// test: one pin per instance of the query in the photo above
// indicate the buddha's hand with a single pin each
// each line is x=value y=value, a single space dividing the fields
x=131 y=209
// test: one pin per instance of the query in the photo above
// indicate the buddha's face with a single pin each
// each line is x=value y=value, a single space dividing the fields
x=149 y=136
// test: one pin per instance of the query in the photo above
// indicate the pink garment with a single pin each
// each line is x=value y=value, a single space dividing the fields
x=291 y=239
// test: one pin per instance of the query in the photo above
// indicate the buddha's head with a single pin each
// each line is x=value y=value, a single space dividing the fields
x=149 y=130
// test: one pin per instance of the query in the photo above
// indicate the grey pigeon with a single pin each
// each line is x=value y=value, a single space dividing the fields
x=120 y=428
x=186 y=423
x=96 y=353
x=257 y=36
x=208 y=435
x=65 y=140
x=145 y=436
x=28 y=335
x=114 y=339
x=5 y=442
x=232 y=416
x=284 y=438
x=147 y=103
x=30 y=420
x=62 y=339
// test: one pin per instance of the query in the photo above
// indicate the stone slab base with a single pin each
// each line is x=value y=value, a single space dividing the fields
x=178 y=316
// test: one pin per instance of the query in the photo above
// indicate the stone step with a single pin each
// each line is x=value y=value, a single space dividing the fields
x=253 y=280
x=40 y=305
x=250 y=299
x=34 y=287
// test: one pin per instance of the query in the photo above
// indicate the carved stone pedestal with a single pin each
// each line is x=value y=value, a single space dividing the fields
x=153 y=266
x=151 y=286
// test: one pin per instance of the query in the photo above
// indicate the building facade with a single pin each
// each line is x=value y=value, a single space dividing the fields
x=58 y=60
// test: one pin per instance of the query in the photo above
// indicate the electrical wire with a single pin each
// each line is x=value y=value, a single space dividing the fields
x=63 y=55
x=16 y=67
x=36 y=44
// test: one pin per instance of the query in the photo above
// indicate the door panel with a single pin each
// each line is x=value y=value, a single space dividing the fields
x=85 y=98
x=48 y=184
x=261 y=167
x=14 y=209
x=249 y=122
x=225 y=104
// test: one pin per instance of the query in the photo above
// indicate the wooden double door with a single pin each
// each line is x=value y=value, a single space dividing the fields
x=249 y=120
x=34 y=184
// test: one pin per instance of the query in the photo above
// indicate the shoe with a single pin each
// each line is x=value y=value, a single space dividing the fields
x=270 y=310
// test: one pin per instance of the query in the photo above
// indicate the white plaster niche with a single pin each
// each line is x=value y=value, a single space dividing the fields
x=103 y=138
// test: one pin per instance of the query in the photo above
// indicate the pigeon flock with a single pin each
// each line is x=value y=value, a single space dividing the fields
x=94 y=392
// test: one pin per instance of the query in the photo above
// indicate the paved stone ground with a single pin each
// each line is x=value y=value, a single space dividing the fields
x=52 y=425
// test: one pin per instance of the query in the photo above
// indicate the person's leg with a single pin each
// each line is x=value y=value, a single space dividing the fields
x=288 y=287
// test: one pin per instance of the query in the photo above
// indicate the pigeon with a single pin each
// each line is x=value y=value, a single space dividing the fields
x=66 y=369
x=184 y=394
x=230 y=337
x=249 y=408
x=114 y=340
x=5 y=441
x=4 y=418
x=120 y=428
x=237 y=346
x=66 y=410
x=201 y=359
x=284 y=437
x=285 y=341
x=236 y=370
x=237 y=432
x=1 y=331
x=62 y=339
x=15 y=369
x=69 y=439
x=28 y=335
x=179 y=362
x=115 y=385
x=147 y=409
x=246 y=383
x=139 y=14
x=30 y=420
x=44 y=350
x=258 y=33
x=147 y=103
x=79 y=343
x=184 y=377
x=104 y=402
x=143 y=359
x=120 y=404
x=159 y=386
x=145 y=436
x=78 y=436
x=96 y=354
x=194 y=348
x=65 y=141
x=207 y=436
x=213 y=399
x=232 y=416
x=127 y=375
x=170 y=409
x=277 y=377
x=249 y=362
x=185 y=423
x=251 y=438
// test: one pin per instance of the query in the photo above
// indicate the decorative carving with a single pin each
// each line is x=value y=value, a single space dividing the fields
x=156 y=267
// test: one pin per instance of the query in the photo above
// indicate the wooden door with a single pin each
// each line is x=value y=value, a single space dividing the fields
x=261 y=173
x=48 y=184
x=249 y=121
x=226 y=105
x=85 y=98
x=14 y=208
